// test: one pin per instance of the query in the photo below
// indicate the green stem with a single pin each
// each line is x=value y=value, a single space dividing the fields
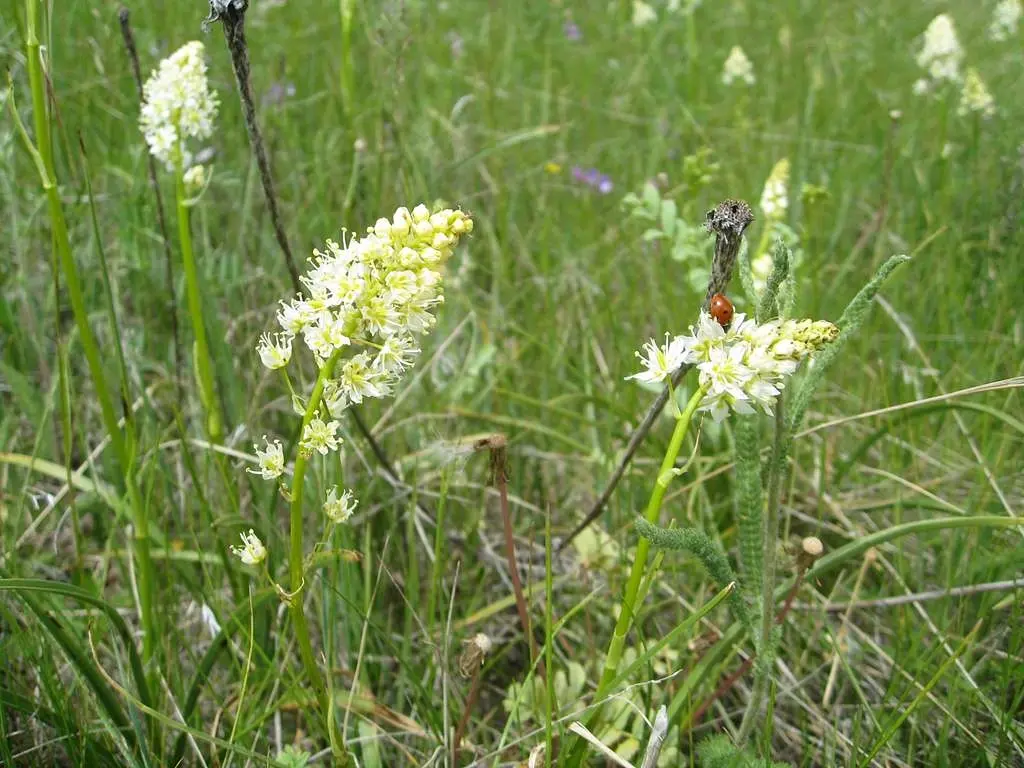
x=769 y=544
x=214 y=422
x=43 y=158
x=636 y=575
x=297 y=569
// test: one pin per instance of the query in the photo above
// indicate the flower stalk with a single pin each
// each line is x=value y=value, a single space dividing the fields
x=629 y=598
x=214 y=423
x=296 y=566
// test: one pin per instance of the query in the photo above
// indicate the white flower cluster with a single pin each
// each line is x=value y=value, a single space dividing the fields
x=177 y=106
x=975 y=97
x=737 y=67
x=940 y=54
x=1005 y=19
x=373 y=297
x=775 y=195
x=741 y=368
x=643 y=14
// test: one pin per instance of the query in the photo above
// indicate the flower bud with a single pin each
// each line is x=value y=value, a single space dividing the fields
x=420 y=213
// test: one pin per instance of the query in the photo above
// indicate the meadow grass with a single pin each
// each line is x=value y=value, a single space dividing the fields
x=488 y=107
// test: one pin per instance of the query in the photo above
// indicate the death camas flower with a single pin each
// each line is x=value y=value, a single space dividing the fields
x=975 y=97
x=737 y=67
x=369 y=300
x=177 y=106
x=252 y=551
x=1005 y=18
x=775 y=195
x=742 y=368
x=940 y=54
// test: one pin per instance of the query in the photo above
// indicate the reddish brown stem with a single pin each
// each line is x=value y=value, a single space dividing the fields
x=460 y=730
x=496 y=445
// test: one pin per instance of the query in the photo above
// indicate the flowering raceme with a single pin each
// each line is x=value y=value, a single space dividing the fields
x=743 y=367
x=369 y=299
x=940 y=54
x=177 y=106
x=975 y=97
x=737 y=67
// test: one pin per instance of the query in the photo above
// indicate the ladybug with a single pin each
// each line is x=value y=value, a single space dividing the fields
x=721 y=309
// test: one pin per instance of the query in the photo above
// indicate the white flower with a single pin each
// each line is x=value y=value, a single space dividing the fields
x=271 y=460
x=725 y=376
x=975 y=97
x=660 y=362
x=395 y=355
x=252 y=551
x=319 y=436
x=737 y=67
x=177 y=106
x=643 y=14
x=195 y=178
x=940 y=52
x=775 y=196
x=339 y=508
x=275 y=352
x=1005 y=19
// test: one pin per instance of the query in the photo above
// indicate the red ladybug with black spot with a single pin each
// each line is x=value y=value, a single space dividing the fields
x=721 y=309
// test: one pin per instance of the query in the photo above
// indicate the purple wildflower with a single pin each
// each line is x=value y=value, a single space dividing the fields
x=278 y=92
x=572 y=30
x=593 y=179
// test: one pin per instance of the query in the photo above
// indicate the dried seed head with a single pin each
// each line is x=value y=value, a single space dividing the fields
x=729 y=218
x=474 y=653
x=812 y=546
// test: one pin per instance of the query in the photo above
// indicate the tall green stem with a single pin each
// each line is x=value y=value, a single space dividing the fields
x=297 y=567
x=203 y=364
x=42 y=154
x=636 y=575
x=769 y=544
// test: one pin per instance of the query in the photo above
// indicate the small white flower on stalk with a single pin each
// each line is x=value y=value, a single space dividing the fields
x=275 y=351
x=940 y=52
x=737 y=67
x=339 y=508
x=775 y=196
x=643 y=14
x=195 y=178
x=660 y=362
x=320 y=437
x=271 y=460
x=975 y=97
x=1005 y=19
x=177 y=106
x=252 y=551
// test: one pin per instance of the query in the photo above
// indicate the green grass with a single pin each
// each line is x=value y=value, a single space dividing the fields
x=545 y=306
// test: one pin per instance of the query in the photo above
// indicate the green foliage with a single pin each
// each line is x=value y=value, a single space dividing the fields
x=849 y=323
x=768 y=301
x=720 y=752
x=704 y=549
x=689 y=244
x=749 y=499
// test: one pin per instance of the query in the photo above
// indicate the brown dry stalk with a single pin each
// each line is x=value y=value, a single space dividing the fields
x=172 y=303
x=727 y=221
x=460 y=730
x=232 y=19
x=496 y=444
